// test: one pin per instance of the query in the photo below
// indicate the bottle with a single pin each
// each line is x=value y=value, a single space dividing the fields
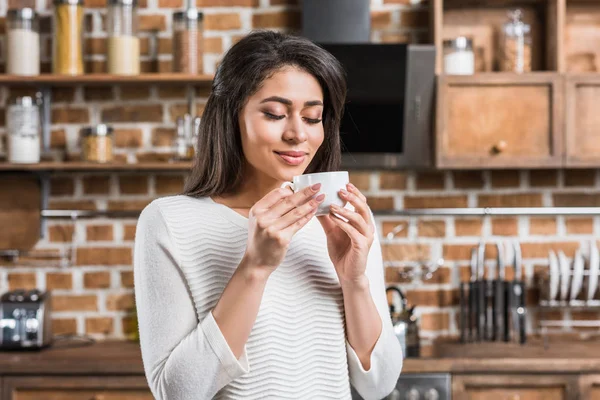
x=67 y=45
x=188 y=41
x=123 y=49
x=22 y=42
x=516 y=44
x=23 y=130
x=458 y=56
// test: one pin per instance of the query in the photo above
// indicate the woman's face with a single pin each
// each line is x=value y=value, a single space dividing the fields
x=281 y=125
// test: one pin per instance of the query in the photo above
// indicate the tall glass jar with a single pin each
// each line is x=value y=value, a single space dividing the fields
x=23 y=125
x=516 y=44
x=67 y=54
x=123 y=52
x=188 y=41
x=458 y=56
x=22 y=42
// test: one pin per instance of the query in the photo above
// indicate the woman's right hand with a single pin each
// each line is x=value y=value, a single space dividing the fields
x=274 y=220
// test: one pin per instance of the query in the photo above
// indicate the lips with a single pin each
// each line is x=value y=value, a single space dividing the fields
x=291 y=157
x=291 y=153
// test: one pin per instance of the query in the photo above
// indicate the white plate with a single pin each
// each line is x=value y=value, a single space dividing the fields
x=565 y=278
x=578 y=266
x=594 y=269
x=554 y=274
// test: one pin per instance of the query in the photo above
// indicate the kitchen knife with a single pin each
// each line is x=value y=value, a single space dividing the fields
x=481 y=316
x=499 y=323
x=490 y=302
x=464 y=286
x=518 y=289
x=473 y=295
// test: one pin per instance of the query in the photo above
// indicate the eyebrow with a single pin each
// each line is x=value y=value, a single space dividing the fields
x=288 y=102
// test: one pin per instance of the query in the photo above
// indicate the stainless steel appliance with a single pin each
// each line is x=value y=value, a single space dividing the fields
x=25 y=320
x=419 y=387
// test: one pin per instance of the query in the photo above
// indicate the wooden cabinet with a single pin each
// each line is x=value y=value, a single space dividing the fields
x=582 y=121
x=499 y=121
x=589 y=387
x=514 y=387
x=76 y=388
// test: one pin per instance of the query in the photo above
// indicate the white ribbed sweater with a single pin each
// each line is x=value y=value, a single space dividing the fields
x=186 y=250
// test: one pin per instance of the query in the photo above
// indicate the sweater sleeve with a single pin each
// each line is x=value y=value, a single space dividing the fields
x=386 y=357
x=183 y=357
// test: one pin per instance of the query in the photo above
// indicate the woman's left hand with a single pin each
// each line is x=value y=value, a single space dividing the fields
x=349 y=242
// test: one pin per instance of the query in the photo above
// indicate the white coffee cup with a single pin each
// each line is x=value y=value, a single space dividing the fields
x=331 y=184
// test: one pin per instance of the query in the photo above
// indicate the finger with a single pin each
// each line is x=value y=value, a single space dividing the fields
x=272 y=198
x=354 y=189
x=298 y=212
x=360 y=205
x=352 y=232
x=355 y=219
x=288 y=203
x=299 y=224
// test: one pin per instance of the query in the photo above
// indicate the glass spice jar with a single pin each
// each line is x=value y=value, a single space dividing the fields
x=97 y=143
x=459 y=58
x=22 y=42
x=23 y=125
x=67 y=47
x=123 y=49
x=516 y=44
x=188 y=38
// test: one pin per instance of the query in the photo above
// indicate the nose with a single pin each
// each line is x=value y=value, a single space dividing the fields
x=294 y=131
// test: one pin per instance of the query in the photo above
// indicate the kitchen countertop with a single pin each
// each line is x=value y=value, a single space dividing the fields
x=123 y=358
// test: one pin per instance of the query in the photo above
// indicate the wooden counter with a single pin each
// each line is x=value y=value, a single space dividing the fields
x=124 y=358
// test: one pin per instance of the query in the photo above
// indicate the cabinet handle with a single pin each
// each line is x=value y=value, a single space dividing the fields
x=500 y=147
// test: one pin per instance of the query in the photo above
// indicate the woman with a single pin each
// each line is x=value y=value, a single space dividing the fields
x=240 y=292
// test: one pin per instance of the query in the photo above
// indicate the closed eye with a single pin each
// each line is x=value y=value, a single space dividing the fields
x=273 y=116
x=313 y=121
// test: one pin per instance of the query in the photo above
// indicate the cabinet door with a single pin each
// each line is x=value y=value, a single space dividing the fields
x=76 y=388
x=499 y=121
x=582 y=121
x=589 y=387
x=514 y=387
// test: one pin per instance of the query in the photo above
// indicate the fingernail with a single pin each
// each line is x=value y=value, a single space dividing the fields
x=351 y=186
x=335 y=206
x=343 y=192
x=320 y=197
x=316 y=186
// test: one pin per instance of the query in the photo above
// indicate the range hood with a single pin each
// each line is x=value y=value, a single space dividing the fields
x=336 y=21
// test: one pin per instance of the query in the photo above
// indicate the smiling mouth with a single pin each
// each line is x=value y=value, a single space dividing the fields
x=292 y=158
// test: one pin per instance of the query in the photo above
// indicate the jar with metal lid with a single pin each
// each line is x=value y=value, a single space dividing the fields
x=23 y=130
x=516 y=44
x=188 y=41
x=97 y=143
x=22 y=42
x=459 y=58
x=67 y=53
x=123 y=50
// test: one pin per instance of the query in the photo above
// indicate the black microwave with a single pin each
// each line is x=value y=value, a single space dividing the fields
x=389 y=112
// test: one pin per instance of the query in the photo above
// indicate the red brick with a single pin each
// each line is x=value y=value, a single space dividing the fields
x=22 y=280
x=394 y=275
x=405 y=252
x=468 y=179
x=392 y=180
x=163 y=137
x=166 y=184
x=510 y=200
x=63 y=94
x=380 y=203
x=505 y=226
x=58 y=139
x=381 y=19
x=432 y=298
x=98 y=94
x=543 y=178
x=74 y=303
x=462 y=252
x=62 y=186
x=227 y=3
x=127 y=205
x=395 y=37
x=127 y=279
x=129 y=232
x=104 y=256
x=96 y=280
x=135 y=93
x=120 y=302
x=579 y=226
x=278 y=19
x=389 y=226
x=133 y=184
x=172 y=92
x=540 y=250
x=580 y=177
x=99 y=325
x=96 y=185
x=435 y=321
x=414 y=19
x=137 y=113
x=95 y=46
x=152 y=23
x=72 y=205
x=442 y=275
x=64 y=326
x=430 y=180
x=505 y=178
x=179 y=110
x=430 y=228
x=284 y=2
x=128 y=138
x=542 y=226
x=576 y=199
x=99 y=233
x=222 y=22
x=57 y=280
x=70 y=115
x=455 y=201
x=468 y=227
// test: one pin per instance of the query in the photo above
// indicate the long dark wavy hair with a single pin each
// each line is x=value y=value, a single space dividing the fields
x=219 y=164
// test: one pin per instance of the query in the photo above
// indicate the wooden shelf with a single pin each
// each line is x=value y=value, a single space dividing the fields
x=83 y=166
x=106 y=79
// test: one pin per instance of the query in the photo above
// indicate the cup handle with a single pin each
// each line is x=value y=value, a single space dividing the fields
x=290 y=184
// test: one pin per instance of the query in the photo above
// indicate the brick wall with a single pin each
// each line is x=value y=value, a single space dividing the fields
x=87 y=264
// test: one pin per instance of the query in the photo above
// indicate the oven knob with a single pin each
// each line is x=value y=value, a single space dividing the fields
x=432 y=394
x=395 y=395
x=412 y=394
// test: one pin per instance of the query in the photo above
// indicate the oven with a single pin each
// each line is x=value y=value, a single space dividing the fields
x=418 y=387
